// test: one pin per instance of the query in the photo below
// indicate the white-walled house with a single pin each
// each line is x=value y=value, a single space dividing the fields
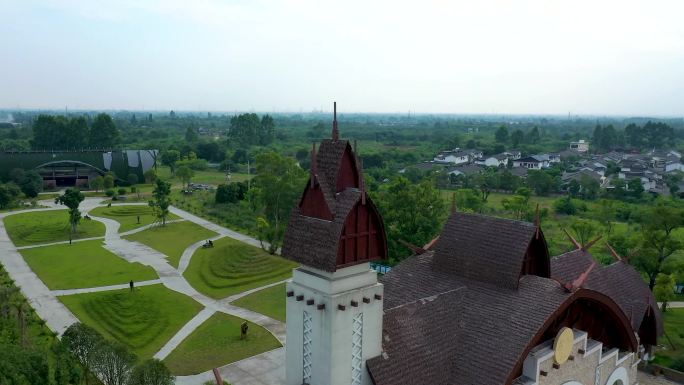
x=580 y=146
x=498 y=160
x=453 y=157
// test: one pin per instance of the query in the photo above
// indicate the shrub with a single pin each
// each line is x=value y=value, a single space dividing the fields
x=564 y=206
x=110 y=192
x=122 y=191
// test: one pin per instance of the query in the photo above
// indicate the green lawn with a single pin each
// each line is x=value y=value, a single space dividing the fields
x=270 y=301
x=674 y=328
x=173 y=238
x=144 y=319
x=231 y=267
x=216 y=343
x=83 y=264
x=128 y=215
x=48 y=226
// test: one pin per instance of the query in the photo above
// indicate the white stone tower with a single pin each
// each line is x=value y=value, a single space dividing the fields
x=334 y=300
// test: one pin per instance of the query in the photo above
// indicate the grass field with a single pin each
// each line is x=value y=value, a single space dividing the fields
x=216 y=343
x=127 y=215
x=211 y=176
x=83 y=264
x=674 y=328
x=48 y=226
x=270 y=301
x=172 y=239
x=144 y=319
x=231 y=267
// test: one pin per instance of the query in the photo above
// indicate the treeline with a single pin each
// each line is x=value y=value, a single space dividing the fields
x=56 y=132
x=248 y=129
x=649 y=136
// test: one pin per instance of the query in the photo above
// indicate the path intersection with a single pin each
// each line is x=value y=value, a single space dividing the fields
x=262 y=369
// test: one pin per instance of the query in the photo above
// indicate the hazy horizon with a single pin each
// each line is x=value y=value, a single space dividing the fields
x=495 y=57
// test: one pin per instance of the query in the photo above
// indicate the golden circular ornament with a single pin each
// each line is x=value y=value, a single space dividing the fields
x=562 y=345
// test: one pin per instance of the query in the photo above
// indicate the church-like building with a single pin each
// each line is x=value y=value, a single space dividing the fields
x=484 y=304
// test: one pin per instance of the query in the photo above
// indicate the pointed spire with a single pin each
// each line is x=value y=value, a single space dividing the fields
x=537 y=222
x=453 y=203
x=314 y=170
x=335 y=131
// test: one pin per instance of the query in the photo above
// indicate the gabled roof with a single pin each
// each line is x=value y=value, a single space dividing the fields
x=618 y=280
x=442 y=329
x=484 y=248
x=326 y=213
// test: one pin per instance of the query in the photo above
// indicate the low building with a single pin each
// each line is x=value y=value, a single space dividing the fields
x=497 y=160
x=78 y=168
x=453 y=157
x=531 y=162
x=580 y=146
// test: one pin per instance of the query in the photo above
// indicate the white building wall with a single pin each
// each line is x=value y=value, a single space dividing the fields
x=332 y=327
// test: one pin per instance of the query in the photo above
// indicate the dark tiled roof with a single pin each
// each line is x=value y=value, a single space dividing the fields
x=484 y=248
x=451 y=330
x=328 y=161
x=620 y=281
x=314 y=242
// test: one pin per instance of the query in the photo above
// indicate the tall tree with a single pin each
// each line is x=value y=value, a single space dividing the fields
x=517 y=137
x=115 y=363
x=103 y=132
x=152 y=372
x=161 y=201
x=266 y=130
x=185 y=174
x=412 y=212
x=501 y=134
x=659 y=224
x=84 y=342
x=170 y=158
x=533 y=136
x=72 y=198
x=278 y=186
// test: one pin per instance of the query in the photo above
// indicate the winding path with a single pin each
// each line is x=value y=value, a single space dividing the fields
x=263 y=369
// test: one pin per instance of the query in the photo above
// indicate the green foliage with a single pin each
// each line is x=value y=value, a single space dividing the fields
x=412 y=212
x=469 y=199
x=542 y=182
x=501 y=134
x=517 y=137
x=97 y=183
x=161 y=201
x=658 y=226
x=108 y=181
x=169 y=158
x=132 y=179
x=231 y=193
x=72 y=198
x=247 y=129
x=152 y=372
x=278 y=184
x=583 y=230
x=564 y=206
x=60 y=133
x=103 y=132
x=9 y=193
x=185 y=174
x=150 y=176
x=519 y=203
x=664 y=289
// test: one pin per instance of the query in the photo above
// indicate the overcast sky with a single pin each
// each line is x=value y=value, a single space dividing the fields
x=486 y=56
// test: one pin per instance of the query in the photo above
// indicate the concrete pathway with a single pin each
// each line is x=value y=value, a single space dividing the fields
x=266 y=368
x=58 y=293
